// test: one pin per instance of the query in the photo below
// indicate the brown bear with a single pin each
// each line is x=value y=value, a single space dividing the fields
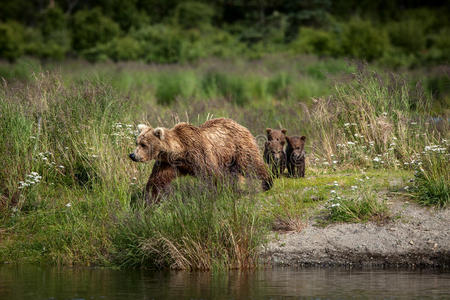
x=274 y=154
x=295 y=154
x=217 y=148
x=275 y=157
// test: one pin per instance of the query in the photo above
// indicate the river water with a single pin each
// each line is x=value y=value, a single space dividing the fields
x=34 y=282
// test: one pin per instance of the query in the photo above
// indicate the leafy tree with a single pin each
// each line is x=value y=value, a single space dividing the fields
x=91 y=27
x=362 y=40
x=192 y=14
x=11 y=40
x=161 y=43
x=55 y=34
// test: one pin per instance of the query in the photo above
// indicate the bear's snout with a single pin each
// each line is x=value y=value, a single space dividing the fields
x=133 y=157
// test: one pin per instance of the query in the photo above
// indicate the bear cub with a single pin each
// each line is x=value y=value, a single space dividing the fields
x=295 y=153
x=274 y=154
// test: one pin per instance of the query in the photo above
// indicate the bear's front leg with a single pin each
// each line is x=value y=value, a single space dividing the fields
x=291 y=168
x=302 y=169
x=283 y=163
x=160 y=178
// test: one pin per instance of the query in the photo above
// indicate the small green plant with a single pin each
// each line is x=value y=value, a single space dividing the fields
x=361 y=206
x=432 y=177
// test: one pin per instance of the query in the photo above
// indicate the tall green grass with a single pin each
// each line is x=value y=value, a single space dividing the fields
x=199 y=229
x=432 y=177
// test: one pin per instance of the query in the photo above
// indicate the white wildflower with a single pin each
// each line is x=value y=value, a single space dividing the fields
x=68 y=205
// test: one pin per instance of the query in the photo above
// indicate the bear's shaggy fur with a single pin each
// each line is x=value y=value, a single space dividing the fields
x=275 y=157
x=295 y=154
x=217 y=148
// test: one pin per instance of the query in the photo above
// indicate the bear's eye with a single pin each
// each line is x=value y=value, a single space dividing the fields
x=142 y=145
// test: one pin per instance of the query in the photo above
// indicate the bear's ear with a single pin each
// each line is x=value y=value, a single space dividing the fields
x=142 y=127
x=284 y=130
x=303 y=138
x=159 y=132
x=268 y=130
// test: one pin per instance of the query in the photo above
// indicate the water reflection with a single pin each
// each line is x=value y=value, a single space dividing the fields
x=34 y=282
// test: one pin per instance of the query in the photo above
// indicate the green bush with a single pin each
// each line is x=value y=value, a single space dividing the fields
x=11 y=40
x=279 y=84
x=361 y=39
x=125 y=48
x=316 y=41
x=192 y=14
x=218 y=43
x=173 y=85
x=408 y=35
x=232 y=87
x=441 y=45
x=161 y=43
x=52 y=19
x=396 y=58
x=91 y=27
x=55 y=41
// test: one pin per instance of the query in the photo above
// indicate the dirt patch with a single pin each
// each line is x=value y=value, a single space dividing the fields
x=415 y=237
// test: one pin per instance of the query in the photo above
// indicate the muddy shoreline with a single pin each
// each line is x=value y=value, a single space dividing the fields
x=415 y=237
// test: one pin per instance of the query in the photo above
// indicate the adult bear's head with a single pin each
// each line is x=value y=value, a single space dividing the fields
x=149 y=144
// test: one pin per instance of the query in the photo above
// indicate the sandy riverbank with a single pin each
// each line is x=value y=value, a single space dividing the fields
x=414 y=237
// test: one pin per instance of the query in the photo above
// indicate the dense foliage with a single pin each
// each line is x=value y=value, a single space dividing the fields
x=393 y=33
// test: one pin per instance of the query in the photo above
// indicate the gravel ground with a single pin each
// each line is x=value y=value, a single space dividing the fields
x=415 y=237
